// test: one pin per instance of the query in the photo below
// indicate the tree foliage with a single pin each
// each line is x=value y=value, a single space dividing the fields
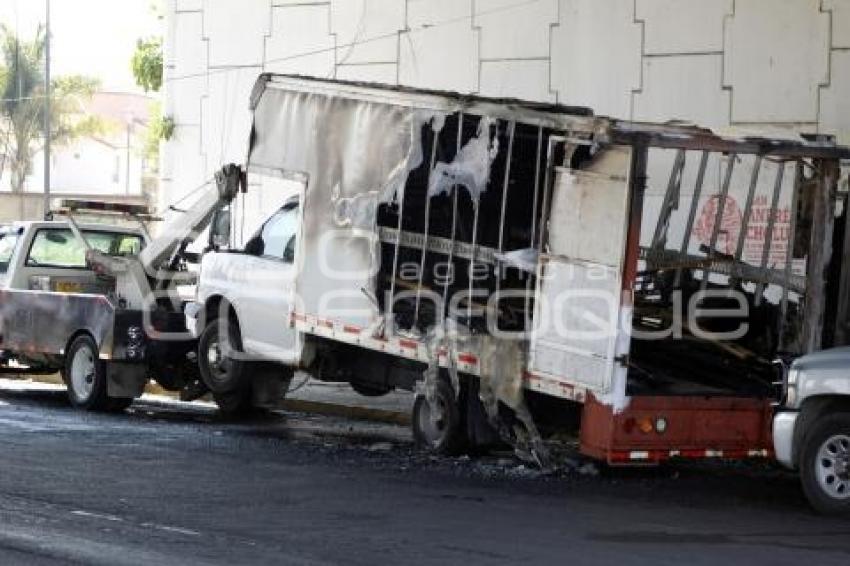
x=160 y=128
x=147 y=64
x=22 y=104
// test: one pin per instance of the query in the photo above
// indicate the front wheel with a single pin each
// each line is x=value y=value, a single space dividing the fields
x=825 y=465
x=85 y=376
x=218 y=358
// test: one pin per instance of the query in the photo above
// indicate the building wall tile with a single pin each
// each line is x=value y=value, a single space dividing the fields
x=596 y=59
x=775 y=65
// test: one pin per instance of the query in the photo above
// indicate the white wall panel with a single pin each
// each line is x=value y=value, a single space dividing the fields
x=776 y=58
x=236 y=30
x=225 y=116
x=682 y=26
x=511 y=30
x=386 y=73
x=840 y=22
x=687 y=88
x=187 y=166
x=441 y=49
x=367 y=30
x=596 y=56
x=835 y=100
x=525 y=79
x=300 y=41
x=187 y=81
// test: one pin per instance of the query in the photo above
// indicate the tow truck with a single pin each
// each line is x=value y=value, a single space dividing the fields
x=100 y=302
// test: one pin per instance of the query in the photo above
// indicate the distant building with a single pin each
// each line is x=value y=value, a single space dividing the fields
x=110 y=164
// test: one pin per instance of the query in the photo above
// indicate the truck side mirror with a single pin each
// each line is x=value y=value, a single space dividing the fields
x=220 y=229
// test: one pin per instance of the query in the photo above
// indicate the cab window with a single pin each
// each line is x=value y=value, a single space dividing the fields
x=60 y=248
x=8 y=243
x=278 y=234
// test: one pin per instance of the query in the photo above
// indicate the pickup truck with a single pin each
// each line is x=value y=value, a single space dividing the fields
x=811 y=430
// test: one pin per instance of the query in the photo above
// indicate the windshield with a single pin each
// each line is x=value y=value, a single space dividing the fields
x=59 y=247
x=8 y=243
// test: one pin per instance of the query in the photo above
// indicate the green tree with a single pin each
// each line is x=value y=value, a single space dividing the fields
x=147 y=70
x=147 y=64
x=22 y=104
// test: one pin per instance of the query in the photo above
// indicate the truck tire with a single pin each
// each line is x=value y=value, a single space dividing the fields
x=85 y=377
x=445 y=435
x=220 y=372
x=825 y=464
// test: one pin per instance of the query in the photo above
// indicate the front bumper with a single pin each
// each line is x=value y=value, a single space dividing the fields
x=784 y=424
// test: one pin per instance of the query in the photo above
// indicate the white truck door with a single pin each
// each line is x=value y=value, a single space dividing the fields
x=582 y=323
x=263 y=282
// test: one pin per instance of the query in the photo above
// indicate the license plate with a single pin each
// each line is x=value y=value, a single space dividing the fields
x=69 y=287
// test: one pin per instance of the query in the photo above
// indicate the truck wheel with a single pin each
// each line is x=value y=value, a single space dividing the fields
x=220 y=372
x=442 y=434
x=825 y=465
x=85 y=375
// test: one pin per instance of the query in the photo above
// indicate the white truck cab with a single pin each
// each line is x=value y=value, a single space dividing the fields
x=252 y=288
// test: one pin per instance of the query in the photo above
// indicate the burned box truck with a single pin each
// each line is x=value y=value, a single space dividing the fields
x=523 y=266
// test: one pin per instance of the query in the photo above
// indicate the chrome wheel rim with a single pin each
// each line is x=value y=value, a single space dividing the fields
x=217 y=361
x=833 y=466
x=83 y=367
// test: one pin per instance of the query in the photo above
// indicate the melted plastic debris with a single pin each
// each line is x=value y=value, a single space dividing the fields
x=471 y=166
x=502 y=366
x=524 y=259
x=360 y=210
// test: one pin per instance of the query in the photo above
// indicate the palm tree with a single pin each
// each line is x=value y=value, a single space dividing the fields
x=22 y=104
x=22 y=109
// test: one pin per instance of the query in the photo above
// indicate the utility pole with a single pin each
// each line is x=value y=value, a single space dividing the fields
x=47 y=112
x=127 y=159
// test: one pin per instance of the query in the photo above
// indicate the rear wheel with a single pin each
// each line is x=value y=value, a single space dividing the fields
x=438 y=427
x=825 y=465
x=85 y=376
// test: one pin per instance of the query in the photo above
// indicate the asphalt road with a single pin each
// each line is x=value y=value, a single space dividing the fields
x=174 y=484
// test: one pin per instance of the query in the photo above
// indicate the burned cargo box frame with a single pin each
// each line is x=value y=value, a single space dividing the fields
x=417 y=197
x=767 y=288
